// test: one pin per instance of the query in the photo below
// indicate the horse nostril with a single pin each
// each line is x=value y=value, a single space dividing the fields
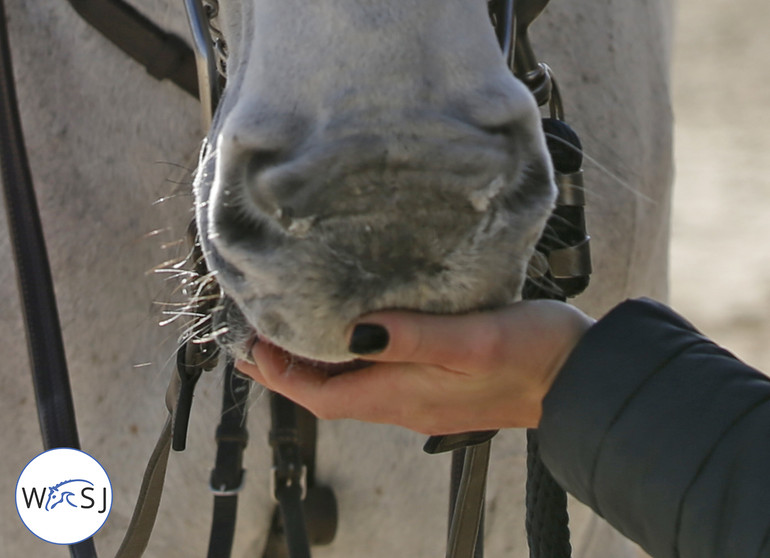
x=260 y=194
x=259 y=160
x=234 y=224
x=269 y=186
x=238 y=215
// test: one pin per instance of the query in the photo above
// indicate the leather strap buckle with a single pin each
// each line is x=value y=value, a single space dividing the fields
x=286 y=477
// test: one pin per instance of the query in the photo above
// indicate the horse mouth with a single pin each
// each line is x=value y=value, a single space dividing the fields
x=327 y=368
x=237 y=337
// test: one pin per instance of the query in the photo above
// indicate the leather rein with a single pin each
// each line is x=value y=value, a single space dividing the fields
x=306 y=512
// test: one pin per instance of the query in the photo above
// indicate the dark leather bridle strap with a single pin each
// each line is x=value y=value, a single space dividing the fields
x=44 y=341
x=163 y=54
x=227 y=476
x=56 y=413
x=289 y=475
x=50 y=377
x=297 y=428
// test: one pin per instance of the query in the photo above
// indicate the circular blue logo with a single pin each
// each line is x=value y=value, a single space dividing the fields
x=63 y=496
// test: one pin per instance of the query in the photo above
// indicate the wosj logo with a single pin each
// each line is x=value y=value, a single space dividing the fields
x=63 y=496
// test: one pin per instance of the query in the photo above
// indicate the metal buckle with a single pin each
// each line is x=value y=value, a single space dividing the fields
x=223 y=491
x=288 y=478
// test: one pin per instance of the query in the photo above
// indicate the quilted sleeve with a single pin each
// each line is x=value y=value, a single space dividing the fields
x=664 y=434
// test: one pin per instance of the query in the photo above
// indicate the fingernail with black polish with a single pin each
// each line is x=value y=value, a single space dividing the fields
x=368 y=339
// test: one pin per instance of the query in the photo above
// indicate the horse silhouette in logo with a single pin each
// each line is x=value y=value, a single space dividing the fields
x=57 y=494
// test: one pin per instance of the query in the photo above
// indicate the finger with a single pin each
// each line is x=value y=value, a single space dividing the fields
x=469 y=342
x=251 y=370
x=273 y=368
x=373 y=394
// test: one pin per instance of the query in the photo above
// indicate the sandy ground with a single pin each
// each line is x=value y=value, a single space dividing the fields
x=720 y=255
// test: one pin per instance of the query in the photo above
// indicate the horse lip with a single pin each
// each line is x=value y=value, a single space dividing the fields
x=328 y=368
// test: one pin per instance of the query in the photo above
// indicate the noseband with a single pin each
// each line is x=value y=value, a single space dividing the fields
x=306 y=512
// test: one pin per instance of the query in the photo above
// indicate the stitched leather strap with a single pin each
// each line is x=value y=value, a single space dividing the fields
x=53 y=397
x=56 y=412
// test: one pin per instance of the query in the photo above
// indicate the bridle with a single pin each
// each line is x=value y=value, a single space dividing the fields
x=560 y=269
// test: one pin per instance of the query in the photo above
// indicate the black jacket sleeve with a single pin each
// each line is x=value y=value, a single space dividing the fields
x=664 y=434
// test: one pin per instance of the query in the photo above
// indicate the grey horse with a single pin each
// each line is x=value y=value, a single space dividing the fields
x=365 y=155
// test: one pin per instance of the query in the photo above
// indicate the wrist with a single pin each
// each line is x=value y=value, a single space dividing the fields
x=561 y=328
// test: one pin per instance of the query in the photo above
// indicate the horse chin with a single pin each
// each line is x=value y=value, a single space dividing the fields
x=298 y=301
x=241 y=326
x=238 y=338
x=328 y=368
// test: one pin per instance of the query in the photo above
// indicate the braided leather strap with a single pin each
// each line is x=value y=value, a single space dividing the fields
x=547 y=519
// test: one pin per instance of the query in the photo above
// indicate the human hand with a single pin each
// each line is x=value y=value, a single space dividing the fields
x=437 y=374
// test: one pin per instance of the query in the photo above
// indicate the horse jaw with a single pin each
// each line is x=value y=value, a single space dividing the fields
x=380 y=157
